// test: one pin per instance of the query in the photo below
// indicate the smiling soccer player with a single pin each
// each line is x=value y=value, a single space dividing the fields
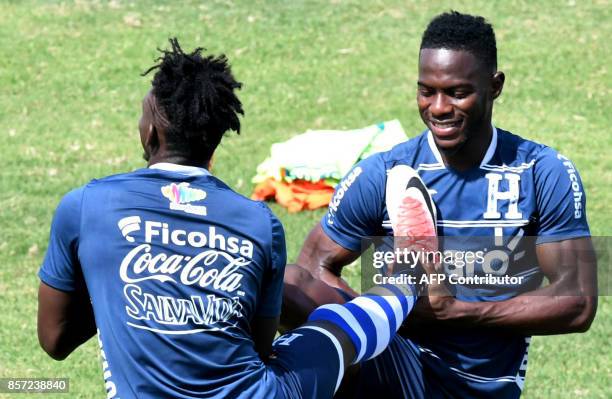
x=485 y=182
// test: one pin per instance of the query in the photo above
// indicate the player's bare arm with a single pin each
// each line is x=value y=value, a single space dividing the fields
x=325 y=259
x=65 y=320
x=566 y=305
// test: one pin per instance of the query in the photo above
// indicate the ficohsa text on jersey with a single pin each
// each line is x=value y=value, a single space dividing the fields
x=197 y=239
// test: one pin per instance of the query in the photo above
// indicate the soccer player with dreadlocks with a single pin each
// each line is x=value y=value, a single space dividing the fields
x=182 y=278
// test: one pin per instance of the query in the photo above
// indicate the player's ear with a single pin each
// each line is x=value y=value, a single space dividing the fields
x=497 y=83
x=152 y=140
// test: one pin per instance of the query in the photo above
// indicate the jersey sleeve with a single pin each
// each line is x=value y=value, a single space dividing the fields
x=560 y=199
x=356 y=208
x=272 y=287
x=61 y=267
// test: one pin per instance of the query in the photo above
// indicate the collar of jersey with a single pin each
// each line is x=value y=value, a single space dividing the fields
x=184 y=169
x=485 y=159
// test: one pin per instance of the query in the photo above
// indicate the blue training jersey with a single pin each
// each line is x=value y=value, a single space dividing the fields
x=522 y=194
x=176 y=265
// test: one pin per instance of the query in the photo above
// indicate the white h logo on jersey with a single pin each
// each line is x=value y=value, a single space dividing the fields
x=494 y=195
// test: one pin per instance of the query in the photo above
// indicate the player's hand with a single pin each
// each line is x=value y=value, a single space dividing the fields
x=434 y=307
x=438 y=300
x=427 y=312
x=435 y=304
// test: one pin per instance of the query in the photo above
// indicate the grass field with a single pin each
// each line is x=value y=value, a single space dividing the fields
x=70 y=101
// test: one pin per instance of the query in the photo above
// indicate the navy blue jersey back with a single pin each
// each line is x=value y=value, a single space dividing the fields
x=177 y=265
x=522 y=194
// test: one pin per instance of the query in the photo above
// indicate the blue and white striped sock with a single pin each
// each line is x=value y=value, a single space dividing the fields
x=370 y=320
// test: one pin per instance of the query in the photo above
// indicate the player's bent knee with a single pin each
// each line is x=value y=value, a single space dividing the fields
x=297 y=305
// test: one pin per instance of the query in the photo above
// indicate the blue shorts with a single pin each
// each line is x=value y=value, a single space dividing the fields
x=405 y=371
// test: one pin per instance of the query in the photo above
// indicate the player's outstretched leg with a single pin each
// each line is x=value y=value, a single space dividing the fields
x=336 y=336
x=363 y=327
x=371 y=320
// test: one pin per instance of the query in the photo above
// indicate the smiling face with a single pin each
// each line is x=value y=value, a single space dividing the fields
x=455 y=96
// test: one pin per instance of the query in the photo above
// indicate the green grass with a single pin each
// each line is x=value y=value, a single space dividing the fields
x=70 y=101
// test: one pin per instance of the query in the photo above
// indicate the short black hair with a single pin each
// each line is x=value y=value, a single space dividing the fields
x=456 y=31
x=196 y=93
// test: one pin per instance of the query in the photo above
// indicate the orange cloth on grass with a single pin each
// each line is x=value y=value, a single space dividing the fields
x=295 y=196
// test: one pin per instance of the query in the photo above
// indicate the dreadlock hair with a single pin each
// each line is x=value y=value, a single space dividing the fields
x=456 y=31
x=196 y=93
